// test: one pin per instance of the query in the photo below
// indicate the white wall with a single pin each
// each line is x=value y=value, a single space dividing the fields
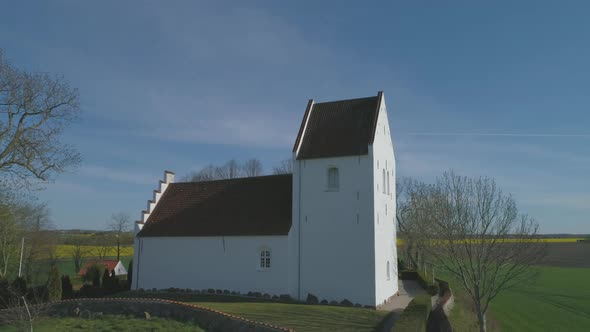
x=230 y=262
x=336 y=253
x=383 y=159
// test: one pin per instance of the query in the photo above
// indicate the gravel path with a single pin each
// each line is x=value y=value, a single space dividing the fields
x=408 y=289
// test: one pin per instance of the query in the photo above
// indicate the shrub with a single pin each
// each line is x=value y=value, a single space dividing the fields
x=333 y=302
x=54 y=285
x=93 y=274
x=312 y=299
x=414 y=317
x=211 y=291
x=257 y=294
x=218 y=291
x=266 y=296
x=285 y=297
x=226 y=292
x=346 y=303
x=67 y=291
x=91 y=291
x=130 y=273
x=324 y=302
x=19 y=285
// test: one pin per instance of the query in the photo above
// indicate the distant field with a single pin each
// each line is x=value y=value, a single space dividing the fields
x=65 y=251
x=401 y=242
x=567 y=255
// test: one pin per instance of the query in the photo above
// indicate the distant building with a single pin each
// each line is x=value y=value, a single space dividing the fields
x=110 y=264
x=328 y=229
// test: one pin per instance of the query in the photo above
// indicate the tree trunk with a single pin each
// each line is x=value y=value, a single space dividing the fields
x=481 y=318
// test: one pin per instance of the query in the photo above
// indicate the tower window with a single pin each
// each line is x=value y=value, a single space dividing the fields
x=333 y=181
x=384 y=181
x=388 y=273
x=388 y=192
x=264 y=263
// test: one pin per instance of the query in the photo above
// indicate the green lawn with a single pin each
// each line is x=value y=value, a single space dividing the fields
x=559 y=300
x=300 y=317
x=109 y=323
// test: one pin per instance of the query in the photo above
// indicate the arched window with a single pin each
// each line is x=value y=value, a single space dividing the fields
x=384 y=181
x=333 y=180
x=388 y=273
x=388 y=192
x=264 y=259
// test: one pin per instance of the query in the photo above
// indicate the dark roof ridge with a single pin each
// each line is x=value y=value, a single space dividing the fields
x=344 y=100
x=232 y=179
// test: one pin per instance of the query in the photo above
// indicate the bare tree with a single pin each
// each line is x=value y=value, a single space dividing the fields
x=34 y=110
x=78 y=251
x=119 y=225
x=206 y=173
x=252 y=167
x=472 y=230
x=285 y=167
x=230 y=170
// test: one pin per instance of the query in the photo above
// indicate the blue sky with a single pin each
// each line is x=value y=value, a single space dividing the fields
x=485 y=88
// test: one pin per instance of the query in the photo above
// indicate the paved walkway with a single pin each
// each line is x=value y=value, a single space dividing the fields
x=408 y=289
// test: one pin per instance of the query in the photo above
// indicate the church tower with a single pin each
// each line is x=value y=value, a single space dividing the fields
x=342 y=242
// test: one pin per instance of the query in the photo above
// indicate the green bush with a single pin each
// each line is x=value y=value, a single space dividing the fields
x=19 y=285
x=93 y=275
x=67 y=290
x=54 y=285
x=414 y=317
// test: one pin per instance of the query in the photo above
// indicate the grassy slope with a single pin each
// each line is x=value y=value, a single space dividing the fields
x=300 y=317
x=109 y=323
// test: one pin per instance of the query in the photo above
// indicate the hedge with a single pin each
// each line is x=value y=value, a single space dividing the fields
x=414 y=317
x=431 y=288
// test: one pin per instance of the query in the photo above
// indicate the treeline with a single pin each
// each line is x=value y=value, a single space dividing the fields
x=235 y=169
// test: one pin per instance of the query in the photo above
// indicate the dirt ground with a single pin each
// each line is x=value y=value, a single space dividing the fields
x=568 y=255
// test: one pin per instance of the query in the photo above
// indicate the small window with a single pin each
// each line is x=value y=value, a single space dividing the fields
x=264 y=259
x=388 y=192
x=388 y=273
x=333 y=181
x=384 y=181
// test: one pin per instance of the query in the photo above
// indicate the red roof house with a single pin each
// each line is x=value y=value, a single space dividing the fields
x=110 y=264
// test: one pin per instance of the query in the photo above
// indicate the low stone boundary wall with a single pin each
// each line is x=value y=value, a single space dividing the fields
x=209 y=319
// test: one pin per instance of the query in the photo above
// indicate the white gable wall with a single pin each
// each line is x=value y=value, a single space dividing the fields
x=219 y=262
x=332 y=256
x=383 y=159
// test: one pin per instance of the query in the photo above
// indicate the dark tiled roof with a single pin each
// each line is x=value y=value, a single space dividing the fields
x=245 y=206
x=338 y=128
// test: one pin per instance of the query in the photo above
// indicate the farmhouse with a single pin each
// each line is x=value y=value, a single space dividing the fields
x=328 y=229
x=109 y=264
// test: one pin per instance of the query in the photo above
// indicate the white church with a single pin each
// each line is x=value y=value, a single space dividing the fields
x=328 y=229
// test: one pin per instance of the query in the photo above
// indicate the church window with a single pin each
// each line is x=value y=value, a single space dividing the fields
x=264 y=259
x=388 y=273
x=388 y=192
x=333 y=181
x=384 y=181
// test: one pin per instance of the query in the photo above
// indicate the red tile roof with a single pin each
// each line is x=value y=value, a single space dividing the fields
x=243 y=206
x=107 y=263
x=338 y=128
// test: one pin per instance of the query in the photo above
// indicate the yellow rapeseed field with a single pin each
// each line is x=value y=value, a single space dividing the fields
x=65 y=251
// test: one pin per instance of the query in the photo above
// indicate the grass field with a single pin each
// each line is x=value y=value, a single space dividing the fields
x=559 y=300
x=300 y=317
x=109 y=323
